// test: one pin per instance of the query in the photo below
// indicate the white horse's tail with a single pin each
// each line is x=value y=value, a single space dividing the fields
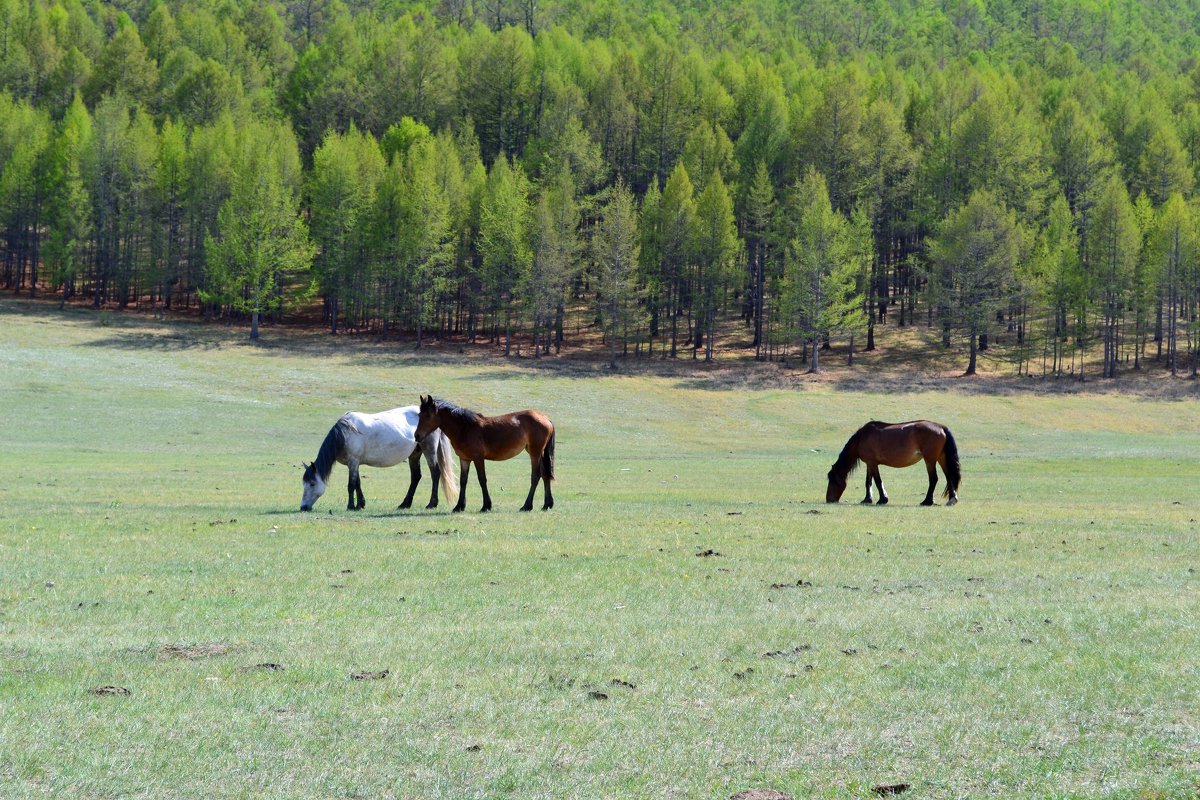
x=446 y=468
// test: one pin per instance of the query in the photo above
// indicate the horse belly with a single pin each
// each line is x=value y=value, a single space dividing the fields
x=507 y=452
x=385 y=451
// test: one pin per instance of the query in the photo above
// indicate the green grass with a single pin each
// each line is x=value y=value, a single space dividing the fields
x=1040 y=639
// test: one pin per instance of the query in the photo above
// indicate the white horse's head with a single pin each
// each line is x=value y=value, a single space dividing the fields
x=314 y=487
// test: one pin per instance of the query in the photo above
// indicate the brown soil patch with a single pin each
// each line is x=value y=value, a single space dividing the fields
x=760 y=794
x=192 y=652
x=109 y=690
x=370 y=676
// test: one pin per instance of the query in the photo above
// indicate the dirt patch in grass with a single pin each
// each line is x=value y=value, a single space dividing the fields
x=795 y=651
x=370 y=676
x=110 y=691
x=191 y=652
x=760 y=794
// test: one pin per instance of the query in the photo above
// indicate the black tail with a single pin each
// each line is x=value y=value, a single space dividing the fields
x=548 y=458
x=952 y=467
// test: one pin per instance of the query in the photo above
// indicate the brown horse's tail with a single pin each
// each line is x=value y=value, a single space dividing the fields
x=445 y=461
x=951 y=466
x=548 y=458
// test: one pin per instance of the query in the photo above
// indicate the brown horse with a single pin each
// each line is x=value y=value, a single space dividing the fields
x=477 y=438
x=899 y=445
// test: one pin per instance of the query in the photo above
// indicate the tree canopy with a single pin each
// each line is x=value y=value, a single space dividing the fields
x=455 y=162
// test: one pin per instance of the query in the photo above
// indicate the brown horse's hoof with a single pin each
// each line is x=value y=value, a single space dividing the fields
x=525 y=508
x=867 y=502
x=926 y=502
x=457 y=509
x=882 y=501
x=952 y=501
x=431 y=505
x=485 y=509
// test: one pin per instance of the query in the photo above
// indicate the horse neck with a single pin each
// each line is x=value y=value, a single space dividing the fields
x=451 y=424
x=331 y=448
x=847 y=458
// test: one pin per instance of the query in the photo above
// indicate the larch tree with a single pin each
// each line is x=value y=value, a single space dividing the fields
x=715 y=245
x=1174 y=249
x=557 y=249
x=70 y=214
x=504 y=242
x=974 y=254
x=261 y=244
x=1112 y=256
x=822 y=269
x=615 y=252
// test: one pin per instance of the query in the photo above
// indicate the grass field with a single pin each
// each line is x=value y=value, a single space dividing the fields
x=1040 y=639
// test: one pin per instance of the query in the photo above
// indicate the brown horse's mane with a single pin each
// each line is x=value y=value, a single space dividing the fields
x=456 y=411
x=847 y=460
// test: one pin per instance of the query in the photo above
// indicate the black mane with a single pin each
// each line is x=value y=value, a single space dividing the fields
x=847 y=460
x=458 y=412
x=331 y=448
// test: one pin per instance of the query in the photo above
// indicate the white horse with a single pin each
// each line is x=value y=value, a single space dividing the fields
x=380 y=440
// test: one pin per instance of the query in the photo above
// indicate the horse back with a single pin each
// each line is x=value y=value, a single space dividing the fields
x=506 y=435
x=901 y=444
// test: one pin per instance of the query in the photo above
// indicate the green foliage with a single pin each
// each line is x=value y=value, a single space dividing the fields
x=907 y=109
x=974 y=256
x=824 y=261
x=615 y=249
x=261 y=246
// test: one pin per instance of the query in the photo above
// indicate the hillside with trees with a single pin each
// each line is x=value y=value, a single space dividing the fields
x=658 y=178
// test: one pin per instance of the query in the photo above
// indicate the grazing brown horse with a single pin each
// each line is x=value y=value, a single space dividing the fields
x=477 y=438
x=899 y=445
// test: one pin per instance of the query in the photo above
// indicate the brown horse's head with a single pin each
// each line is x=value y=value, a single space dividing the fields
x=427 y=419
x=837 y=485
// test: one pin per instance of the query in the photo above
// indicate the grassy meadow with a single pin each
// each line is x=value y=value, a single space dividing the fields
x=690 y=621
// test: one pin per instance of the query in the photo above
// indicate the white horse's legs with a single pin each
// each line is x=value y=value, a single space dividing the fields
x=414 y=473
x=353 y=488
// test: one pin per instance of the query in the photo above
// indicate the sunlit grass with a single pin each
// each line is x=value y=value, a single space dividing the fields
x=1039 y=639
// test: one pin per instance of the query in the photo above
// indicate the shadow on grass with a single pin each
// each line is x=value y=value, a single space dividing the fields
x=910 y=359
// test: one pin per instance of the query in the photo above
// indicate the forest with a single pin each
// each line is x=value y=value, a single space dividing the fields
x=761 y=179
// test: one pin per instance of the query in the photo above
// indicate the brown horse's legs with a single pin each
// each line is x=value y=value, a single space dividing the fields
x=536 y=475
x=464 y=472
x=487 y=498
x=435 y=477
x=930 y=465
x=953 y=494
x=549 y=502
x=414 y=474
x=870 y=476
x=883 y=498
